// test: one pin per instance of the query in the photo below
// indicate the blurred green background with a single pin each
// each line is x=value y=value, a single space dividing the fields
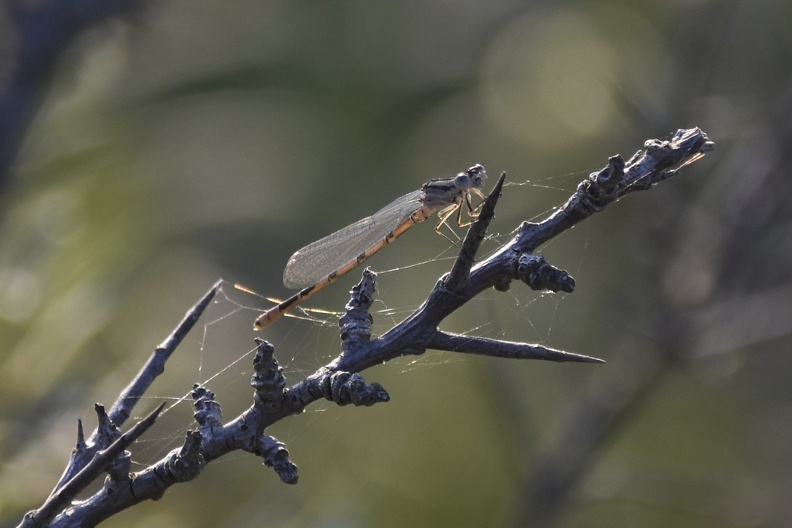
x=194 y=140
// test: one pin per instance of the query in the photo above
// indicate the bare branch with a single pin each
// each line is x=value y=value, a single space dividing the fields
x=122 y=408
x=340 y=381
x=89 y=473
x=503 y=349
x=155 y=366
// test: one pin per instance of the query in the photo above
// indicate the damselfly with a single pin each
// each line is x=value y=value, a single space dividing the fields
x=322 y=262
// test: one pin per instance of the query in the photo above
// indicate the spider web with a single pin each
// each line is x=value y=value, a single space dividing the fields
x=219 y=352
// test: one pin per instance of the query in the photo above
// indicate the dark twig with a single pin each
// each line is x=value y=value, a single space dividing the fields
x=340 y=380
x=88 y=474
x=647 y=167
x=503 y=349
x=129 y=397
x=652 y=164
x=117 y=494
x=122 y=408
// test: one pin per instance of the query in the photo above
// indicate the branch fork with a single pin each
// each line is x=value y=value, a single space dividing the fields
x=340 y=381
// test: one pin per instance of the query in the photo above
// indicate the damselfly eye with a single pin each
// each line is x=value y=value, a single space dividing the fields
x=477 y=175
x=462 y=181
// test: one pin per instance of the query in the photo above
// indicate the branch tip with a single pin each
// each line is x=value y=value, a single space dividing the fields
x=483 y=346
x=155 y=365
x=457 y=279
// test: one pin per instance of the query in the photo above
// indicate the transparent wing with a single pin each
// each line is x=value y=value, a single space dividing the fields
x=319 y=259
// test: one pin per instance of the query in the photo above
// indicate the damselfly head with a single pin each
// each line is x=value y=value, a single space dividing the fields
x=473 y=178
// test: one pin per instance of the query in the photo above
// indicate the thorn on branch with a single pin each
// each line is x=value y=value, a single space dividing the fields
x=80 y=456
x=106 y=433
x=81 y=445
x=99 y=463
x=483 y=346
x=457 y=279
x=268 y=379
x=276 y=456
